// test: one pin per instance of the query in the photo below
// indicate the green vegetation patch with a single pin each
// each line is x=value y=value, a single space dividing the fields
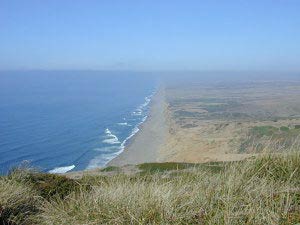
x=184 y=113
x=161 y=167
x=172 y=166
x=260 y=131
x=211 y=108
x=284 y=129
x=110 y=169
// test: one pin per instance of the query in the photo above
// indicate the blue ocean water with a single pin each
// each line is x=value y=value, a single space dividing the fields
x=62 y=121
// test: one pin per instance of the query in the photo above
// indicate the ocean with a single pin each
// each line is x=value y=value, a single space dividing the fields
x=60 y=121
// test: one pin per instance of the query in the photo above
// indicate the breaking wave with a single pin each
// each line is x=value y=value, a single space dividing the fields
x=117 y=147
x=111 y=138
x=59 y=170
x=139 y=110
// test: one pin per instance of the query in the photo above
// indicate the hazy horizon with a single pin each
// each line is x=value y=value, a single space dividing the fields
x=165 y=77
x=150 y=36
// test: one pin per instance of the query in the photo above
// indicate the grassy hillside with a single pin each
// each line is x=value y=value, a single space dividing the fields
x=265 y=190
x=278 y=139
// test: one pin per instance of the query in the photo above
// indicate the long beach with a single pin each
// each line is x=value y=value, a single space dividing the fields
x=145 y=145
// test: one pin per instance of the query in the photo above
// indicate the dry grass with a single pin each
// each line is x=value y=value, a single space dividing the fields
x=260 y=191
x=264 y=190
x=18 y=201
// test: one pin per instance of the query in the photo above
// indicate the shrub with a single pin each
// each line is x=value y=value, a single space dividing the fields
x=47 y=185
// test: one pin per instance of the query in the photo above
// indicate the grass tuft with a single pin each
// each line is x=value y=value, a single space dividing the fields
x=18 y=201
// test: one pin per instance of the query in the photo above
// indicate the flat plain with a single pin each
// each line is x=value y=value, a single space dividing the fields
x=231 y=120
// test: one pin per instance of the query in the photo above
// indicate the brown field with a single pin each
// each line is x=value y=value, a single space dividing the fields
x=230 y=121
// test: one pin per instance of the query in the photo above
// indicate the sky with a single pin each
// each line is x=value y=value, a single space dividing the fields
x=150 y=34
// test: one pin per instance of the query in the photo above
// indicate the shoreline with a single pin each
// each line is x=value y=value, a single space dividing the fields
x=146 y=144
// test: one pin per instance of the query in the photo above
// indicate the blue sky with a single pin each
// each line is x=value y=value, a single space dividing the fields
x=150 y=35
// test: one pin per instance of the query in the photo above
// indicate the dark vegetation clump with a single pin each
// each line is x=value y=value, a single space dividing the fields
x=189 y=125
x=151 y=168
x=261 y=131
x=110 y=169
x=161 y=167
x=185 y=113
x=47 y=185
x=18 y=202
x=284 y=129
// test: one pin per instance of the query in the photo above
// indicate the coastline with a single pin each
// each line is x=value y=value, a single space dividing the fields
x=146 y=144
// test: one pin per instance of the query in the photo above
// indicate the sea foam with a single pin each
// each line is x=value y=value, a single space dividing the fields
x=63 y=169
x=109 y=153
x=111 y=138
x=124 y=124
x=139 y=110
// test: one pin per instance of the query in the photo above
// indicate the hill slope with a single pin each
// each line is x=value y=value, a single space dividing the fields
x=264 y=190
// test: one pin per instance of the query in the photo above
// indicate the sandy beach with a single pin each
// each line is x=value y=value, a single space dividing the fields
x=146 y=144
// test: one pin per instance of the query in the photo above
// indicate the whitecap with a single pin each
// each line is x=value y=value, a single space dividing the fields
x=107 y=131
x=62 y=169
x=137 y=113
x=112 y=139
x=124 y=124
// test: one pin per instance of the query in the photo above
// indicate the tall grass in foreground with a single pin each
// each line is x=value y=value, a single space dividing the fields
x=261 y=191
x=265 y=190
x=18 y=201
